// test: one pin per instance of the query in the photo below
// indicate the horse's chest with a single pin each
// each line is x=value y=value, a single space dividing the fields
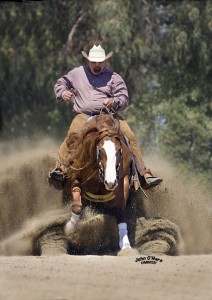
x=95 y=187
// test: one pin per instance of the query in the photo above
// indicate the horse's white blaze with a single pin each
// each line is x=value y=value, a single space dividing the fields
x=110 y=170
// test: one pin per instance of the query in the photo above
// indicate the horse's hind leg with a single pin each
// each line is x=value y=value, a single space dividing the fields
x=123 y=236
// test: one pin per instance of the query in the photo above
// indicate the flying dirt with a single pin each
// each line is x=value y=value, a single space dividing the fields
x=174 y=219
x=174 y=223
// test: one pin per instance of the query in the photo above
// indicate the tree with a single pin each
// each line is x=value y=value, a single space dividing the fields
x=186 y=85
x=161 y=48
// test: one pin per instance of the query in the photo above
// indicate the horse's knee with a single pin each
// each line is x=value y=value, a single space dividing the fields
x=76 y=208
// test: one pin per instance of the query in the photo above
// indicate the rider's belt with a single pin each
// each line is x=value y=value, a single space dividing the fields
x=98 y=198
x=96 y=113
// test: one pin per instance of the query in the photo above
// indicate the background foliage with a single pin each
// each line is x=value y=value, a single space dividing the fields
x=161 y=48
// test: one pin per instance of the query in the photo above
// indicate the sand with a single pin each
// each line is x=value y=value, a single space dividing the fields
x=24 y=194
x=105 y=277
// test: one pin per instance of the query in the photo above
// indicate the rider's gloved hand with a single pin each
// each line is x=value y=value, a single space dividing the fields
x=108 y=102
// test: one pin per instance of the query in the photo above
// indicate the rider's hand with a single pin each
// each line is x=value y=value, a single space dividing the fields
x=67 y=96
x=108 y=102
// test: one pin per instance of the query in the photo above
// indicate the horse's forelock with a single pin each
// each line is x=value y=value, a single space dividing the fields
x=106 y=121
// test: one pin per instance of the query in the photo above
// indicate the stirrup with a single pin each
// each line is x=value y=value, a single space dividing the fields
x=153 y=181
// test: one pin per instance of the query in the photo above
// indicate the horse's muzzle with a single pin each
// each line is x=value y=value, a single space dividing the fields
x=110 y=186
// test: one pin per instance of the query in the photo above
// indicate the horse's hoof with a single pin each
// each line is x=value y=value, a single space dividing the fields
x=127 y=252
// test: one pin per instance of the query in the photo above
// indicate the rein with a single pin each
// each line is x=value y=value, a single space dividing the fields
x=109 y=111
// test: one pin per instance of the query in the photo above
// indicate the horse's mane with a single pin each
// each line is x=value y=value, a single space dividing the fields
x=82 y=145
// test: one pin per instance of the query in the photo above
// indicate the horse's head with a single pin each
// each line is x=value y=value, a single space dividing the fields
x=109 y=156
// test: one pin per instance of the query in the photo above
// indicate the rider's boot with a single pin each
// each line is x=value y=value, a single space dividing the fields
x=57 y=177
x=148 y=180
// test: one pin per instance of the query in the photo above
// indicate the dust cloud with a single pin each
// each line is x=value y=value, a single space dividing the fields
x=184 y=201
x=25 y=193
x=24 y=188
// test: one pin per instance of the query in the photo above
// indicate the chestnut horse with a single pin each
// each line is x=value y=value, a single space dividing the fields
x=99 y=170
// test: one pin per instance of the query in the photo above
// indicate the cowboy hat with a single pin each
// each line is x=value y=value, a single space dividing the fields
x=97 y=54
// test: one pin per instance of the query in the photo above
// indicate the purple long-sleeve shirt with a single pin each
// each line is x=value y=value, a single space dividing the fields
x=90 y=90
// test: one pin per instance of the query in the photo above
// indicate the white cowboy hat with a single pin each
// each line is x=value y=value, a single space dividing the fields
x=97 y=54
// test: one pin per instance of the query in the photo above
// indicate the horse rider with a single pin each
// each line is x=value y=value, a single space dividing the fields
x=89 y=88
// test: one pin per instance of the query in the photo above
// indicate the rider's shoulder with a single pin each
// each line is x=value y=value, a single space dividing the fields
x=110 y=72
x=117 y=77
x=75 y=72
x=76 y=69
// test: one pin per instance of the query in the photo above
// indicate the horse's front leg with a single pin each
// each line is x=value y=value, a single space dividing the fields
x=121 y=200
x=76 y=206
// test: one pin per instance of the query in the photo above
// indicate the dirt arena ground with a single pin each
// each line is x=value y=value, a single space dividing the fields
x=105 y=277
x=135 y=276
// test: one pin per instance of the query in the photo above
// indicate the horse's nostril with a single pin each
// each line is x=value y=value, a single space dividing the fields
x=111 y=185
